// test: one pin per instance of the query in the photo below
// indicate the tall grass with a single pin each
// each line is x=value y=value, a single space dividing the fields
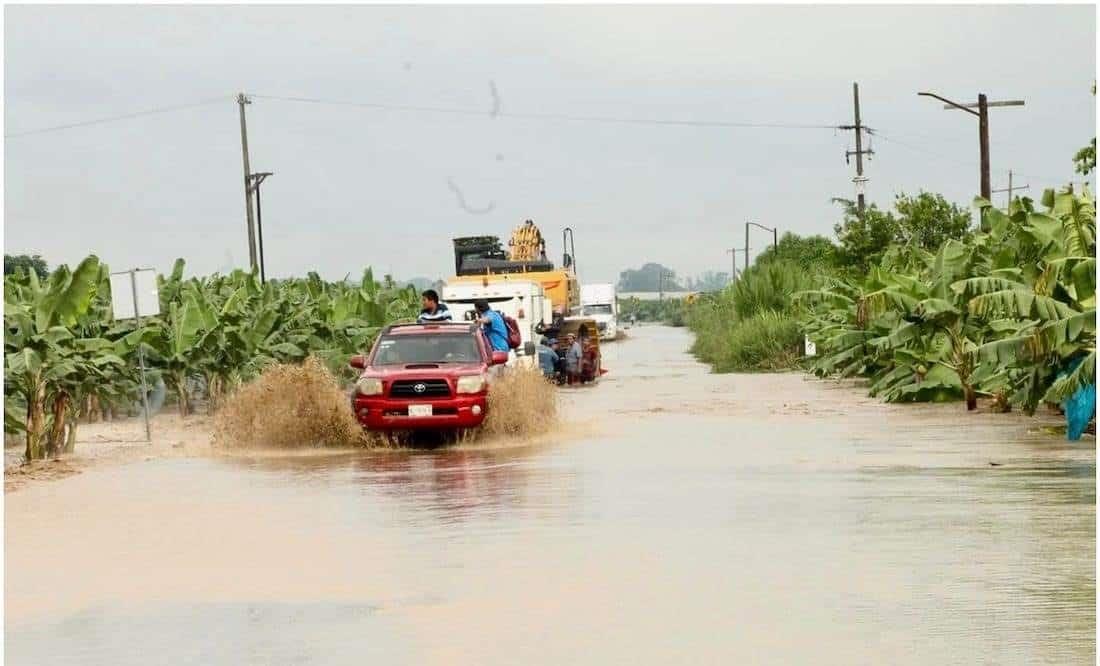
x=752 y=324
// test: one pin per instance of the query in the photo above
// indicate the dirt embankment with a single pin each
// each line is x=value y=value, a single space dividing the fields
x=114 y=442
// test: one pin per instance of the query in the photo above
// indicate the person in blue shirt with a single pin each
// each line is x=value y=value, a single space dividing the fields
x=492 y=325
x=548 y=358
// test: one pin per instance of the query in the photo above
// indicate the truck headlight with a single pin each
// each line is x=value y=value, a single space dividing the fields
x=369 y=386
x=470 y=384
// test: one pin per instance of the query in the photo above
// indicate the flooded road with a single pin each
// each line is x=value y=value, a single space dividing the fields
x=682 y=517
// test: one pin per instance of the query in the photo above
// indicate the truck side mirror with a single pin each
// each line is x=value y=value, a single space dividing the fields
x=358 y=362
x=499 y=358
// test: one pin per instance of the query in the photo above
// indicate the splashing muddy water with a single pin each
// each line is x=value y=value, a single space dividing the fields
x=676 y=517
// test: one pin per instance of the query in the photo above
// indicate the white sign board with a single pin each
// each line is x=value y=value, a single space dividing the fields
x=811 y=348
x=122 y=294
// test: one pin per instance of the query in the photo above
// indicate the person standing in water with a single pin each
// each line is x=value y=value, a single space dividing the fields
x=573 y=356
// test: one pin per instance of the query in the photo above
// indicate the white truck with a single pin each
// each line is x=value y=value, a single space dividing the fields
x=599 y=302
x=526 y=302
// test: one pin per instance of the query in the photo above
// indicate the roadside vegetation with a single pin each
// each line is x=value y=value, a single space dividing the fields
x=66 y=360
x=670 y=311
x=924 y=303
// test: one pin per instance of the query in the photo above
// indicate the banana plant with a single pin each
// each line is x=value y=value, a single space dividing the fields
x=38 y=321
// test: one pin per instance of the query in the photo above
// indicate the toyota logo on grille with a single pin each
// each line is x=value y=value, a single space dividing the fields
x=420 y=387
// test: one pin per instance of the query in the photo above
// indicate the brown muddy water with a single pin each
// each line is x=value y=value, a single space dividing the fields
x=682 y=517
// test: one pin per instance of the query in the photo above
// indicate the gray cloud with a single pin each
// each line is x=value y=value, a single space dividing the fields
x=356 y=186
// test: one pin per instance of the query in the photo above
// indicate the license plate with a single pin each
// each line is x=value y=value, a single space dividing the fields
x=420 y=410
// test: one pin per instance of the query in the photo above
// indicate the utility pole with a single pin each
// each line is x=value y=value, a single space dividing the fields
x=259 y=179
x=982 y=114
x=746 y=246
x=1010 y=189
x=733 y=255
x=241 y=101
x=859 y=152
x=775 y=239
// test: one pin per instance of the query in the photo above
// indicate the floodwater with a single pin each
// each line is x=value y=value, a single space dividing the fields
x=681 y=517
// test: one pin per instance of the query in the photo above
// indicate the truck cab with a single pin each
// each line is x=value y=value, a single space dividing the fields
x=524 y=301
x=424 y=377
x=600 y=303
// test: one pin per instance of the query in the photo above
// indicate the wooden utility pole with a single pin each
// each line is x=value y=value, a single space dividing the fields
x=859 y=152
x=241 y=101
x=982 y=114
x=259 y=179
x=1010 y=189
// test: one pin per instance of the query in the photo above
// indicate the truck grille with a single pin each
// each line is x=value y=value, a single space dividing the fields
x=428 y=388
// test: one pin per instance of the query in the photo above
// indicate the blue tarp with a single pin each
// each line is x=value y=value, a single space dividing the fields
x=1079 y=407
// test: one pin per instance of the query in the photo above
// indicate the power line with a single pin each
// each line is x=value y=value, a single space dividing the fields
x=962 y=162
x=125 y=116
x=542 y=116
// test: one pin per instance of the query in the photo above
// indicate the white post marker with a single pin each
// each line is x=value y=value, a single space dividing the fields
x=137 y=299
x=811 y=348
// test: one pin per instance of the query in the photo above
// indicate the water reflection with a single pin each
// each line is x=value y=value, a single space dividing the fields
x=444 y=486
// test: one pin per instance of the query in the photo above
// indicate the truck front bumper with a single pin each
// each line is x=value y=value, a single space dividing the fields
x=378 y=413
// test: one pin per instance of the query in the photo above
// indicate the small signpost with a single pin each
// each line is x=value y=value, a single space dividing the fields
x=811 y=348
x=134 y=295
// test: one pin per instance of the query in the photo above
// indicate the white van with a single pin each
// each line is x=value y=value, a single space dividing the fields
x=526 y=302
x=600 y=302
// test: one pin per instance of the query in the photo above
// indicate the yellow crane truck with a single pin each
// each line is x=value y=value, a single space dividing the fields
x=483 y=259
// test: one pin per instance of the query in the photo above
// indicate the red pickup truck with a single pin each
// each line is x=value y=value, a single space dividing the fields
x=425 y=376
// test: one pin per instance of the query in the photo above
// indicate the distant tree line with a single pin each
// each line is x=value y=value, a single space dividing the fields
x=26 y=264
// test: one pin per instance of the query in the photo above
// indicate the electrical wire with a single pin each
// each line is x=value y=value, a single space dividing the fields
x=531 y=116
x=542 y=116
x=125 y=116
x=967 y=163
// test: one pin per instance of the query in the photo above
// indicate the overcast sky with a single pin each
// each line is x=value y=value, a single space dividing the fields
x=356 y=186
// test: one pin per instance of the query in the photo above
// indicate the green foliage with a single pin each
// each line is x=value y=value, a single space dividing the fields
x=62 y=348
x=927 y=220
x=863 y=238
x=768 y=286
x=921 y=222
x=709 y=281
x=997 y=312
x=1084 y=160
x=766 y=341
x=26 y=263
x=669 y=311
x=939 y=312
x=650 y=277
x=752 y=324
x=814 y=253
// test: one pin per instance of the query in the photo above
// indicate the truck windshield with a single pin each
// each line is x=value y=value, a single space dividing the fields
x=402 y=349
x=597 y=309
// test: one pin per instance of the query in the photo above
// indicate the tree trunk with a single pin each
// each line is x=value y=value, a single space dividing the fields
x=182 y=396
x=93 y=409
x=213 y=393
x=36 y=423
x=57 y=432
x=971 y=397
x=70 y=438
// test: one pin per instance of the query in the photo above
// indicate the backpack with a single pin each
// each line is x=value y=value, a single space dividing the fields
x=514 y=338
